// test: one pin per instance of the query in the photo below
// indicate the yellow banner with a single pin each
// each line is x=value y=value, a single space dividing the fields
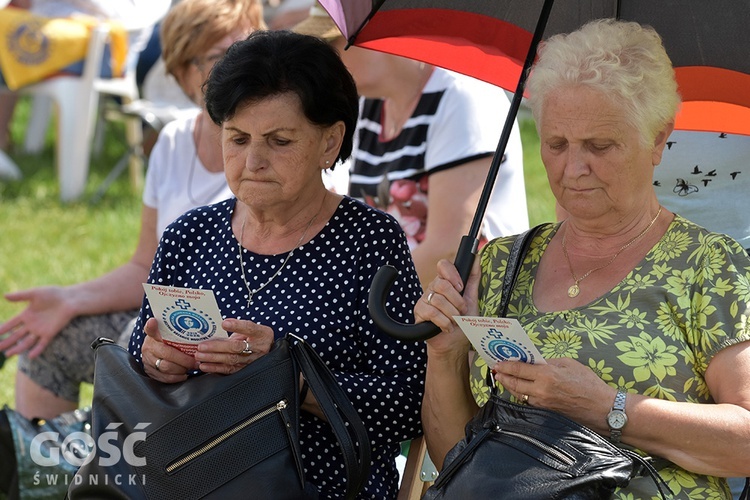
x=33 y=47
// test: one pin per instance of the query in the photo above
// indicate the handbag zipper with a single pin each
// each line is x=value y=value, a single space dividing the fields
x=481 y=436
x=562 y=457
x=281 y=405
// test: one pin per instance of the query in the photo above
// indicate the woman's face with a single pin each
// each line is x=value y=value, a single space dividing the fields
x=197 y=72
x=595 y=162
x=273 y=155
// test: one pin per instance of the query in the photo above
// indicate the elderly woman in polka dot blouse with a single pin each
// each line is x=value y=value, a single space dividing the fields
x=288 y=256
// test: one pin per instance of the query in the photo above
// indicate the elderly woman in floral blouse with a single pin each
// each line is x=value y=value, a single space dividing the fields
x=641 y=315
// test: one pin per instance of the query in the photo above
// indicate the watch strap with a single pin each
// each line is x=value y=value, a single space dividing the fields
x=620 y=397
x=618 y=406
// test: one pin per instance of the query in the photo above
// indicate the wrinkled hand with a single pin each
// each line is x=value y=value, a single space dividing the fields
x=32 y=329
x=225 y=356
x=563 y=384
x=446 y=301
x=173 y=364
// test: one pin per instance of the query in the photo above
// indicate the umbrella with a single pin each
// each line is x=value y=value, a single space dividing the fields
x=708 y=42
x=496 y=40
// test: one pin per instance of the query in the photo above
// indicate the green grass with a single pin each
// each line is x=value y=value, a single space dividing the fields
x=43 y=241
x=539 y=199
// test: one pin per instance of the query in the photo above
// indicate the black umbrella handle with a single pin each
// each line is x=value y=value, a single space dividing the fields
x=383 y=281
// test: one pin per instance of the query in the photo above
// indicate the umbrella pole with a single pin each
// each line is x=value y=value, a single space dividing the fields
x=467 y=249
x=515 y=105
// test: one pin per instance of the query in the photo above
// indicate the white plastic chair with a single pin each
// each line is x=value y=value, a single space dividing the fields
x=8 y=168
x=77 y=100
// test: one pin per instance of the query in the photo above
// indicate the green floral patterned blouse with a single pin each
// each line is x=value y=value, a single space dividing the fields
x=653 y=334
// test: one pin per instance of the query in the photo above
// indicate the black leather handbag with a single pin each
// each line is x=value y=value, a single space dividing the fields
x=519 y=452
x=213 y=436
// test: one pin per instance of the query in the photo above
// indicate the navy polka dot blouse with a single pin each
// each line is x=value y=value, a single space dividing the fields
x=321 y=296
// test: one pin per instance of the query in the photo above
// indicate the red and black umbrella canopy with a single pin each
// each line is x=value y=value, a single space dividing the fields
x=708 y=42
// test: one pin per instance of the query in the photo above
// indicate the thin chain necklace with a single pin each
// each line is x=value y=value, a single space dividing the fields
x=250 y=292
x=575 y=289
x=191 y=172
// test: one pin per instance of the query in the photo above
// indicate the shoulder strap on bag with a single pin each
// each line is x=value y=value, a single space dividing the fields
x=644 y=466
x=338 y=410
x=515 y=258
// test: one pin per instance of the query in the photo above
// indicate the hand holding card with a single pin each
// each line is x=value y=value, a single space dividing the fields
x=499 y=339
x=186 y=316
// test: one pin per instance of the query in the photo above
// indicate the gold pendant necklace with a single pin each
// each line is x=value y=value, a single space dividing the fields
x=575 y=288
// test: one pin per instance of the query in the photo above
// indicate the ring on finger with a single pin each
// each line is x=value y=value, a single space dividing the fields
x=247 y=349
x=429 y=298
x=157 y=365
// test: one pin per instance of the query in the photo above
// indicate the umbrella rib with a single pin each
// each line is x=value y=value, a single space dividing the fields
x=375 y=8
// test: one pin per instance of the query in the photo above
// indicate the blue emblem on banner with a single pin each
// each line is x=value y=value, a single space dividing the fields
x=28 y=44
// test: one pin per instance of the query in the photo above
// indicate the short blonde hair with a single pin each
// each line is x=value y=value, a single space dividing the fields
x=192 y=26
x=623 y=60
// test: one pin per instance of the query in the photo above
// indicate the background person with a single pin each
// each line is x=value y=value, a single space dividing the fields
x=54 y=331
x=704 y=177
x=424 y=143
x=289 y=256
x=628 y=302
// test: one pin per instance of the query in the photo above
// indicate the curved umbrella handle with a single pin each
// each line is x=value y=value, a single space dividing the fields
x=383 y=281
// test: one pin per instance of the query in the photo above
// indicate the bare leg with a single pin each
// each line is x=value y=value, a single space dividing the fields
x=34 y=401
x=7 y=106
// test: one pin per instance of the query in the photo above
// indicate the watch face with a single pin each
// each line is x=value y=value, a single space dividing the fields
x=617 y=419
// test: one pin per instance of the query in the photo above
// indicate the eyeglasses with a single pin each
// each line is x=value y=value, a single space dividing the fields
x=207 y=62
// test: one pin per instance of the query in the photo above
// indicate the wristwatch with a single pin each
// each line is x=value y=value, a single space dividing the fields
x=616 y=419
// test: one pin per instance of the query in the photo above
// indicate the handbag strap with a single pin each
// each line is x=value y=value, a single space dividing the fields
x=338 y=410
x=646 y=467
x=515 y=258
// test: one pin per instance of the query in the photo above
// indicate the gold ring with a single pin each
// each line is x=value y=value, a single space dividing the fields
x=525 y=399
x=429 y=298
x=247 y=349
x=158 y=364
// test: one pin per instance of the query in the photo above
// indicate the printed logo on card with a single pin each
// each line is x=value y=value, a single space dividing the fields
x=187 y=322
x=506 y=349
x=499 y=339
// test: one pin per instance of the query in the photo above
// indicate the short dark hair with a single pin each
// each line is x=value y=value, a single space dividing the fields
x=270 y=63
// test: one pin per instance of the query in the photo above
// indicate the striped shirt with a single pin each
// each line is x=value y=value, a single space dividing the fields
x=458 y=120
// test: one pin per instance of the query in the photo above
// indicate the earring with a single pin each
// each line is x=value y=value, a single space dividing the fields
x=328 y=162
